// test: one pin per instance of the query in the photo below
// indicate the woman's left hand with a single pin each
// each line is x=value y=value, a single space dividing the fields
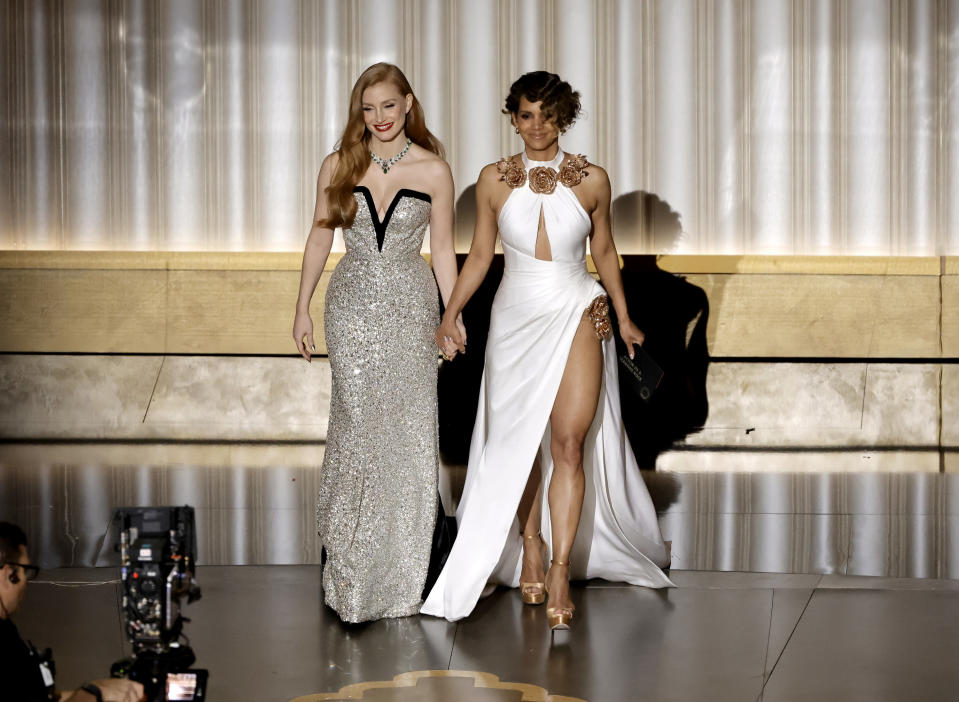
x=631 y=334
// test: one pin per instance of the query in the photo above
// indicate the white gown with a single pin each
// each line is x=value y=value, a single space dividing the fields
x=536 y=312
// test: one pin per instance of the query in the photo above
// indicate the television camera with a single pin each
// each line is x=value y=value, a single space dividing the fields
x=157 y=569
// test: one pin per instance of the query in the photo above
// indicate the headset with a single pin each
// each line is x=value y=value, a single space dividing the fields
x=14 y=577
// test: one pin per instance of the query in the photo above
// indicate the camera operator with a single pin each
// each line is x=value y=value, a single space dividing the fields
x=25 y=674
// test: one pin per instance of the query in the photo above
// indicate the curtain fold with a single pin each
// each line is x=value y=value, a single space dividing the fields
x=769 y=126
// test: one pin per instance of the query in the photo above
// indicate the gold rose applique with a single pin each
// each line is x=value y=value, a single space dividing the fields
x=543 y=179
x=598 y=313
x=573 y=171
x=510 y=172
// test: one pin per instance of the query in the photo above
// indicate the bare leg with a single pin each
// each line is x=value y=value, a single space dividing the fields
x=529 y=507
x=528 y=513
x=572 y=415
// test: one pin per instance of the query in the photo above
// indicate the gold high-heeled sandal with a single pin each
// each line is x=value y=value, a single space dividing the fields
x=534 y=593
x=558 y=618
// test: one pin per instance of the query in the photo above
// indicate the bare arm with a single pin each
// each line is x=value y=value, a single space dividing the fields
x=441 y=232
x=603 y=250
x=111 y=689
x=477 y=262
x=317 y=250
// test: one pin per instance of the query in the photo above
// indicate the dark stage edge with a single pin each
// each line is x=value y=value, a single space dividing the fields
x=264 y=635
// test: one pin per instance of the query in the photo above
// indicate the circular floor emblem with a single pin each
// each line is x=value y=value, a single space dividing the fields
x=459 y=685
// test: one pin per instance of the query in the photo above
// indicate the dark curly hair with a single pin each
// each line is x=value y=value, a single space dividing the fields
x=560 y=101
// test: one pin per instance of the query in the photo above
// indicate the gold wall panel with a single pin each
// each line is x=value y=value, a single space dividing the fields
x=153 y=302
x=805 y=265
x=224 y=303
x=950 y=316
x=87 y=311
x=822 y=316
x=246 y=312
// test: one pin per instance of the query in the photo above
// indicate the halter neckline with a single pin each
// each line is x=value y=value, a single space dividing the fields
x=553 y=163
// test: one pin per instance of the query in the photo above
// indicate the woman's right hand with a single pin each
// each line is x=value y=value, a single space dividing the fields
x=303 y=334
x=449 y=338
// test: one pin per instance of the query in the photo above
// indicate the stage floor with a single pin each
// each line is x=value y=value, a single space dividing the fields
x=264 y=635
x=771 y=546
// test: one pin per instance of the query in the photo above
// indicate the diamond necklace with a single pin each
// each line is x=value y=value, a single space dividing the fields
x=387 y=164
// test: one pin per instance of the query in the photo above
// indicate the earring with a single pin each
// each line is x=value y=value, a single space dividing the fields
x=517 y=130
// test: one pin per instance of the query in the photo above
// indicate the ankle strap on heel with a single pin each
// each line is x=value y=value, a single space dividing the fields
x=559 y=563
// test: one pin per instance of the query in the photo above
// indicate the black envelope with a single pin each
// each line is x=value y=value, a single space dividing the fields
x=641 y=374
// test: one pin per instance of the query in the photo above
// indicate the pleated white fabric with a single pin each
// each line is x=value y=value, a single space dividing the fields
x=535 y=315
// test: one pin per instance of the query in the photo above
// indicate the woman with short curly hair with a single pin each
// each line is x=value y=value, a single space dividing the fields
x=548 y=419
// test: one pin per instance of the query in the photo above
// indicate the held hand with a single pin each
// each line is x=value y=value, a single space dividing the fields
x=303 y=334
x=631 y=334
x=462 y=329
x=120 y=690
x=450 y=339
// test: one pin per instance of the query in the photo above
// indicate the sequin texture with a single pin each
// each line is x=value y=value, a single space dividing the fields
x=377 y=501
x=598 y=313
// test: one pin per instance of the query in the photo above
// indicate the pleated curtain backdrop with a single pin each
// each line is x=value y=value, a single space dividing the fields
x=766 y=126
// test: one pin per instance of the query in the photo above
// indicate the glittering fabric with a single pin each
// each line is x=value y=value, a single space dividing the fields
x=377 y=501
x=598 y=313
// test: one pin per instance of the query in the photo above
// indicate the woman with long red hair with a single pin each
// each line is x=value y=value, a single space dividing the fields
x=384 y=185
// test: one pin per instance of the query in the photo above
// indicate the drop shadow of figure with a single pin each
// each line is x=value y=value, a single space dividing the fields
x=673 y=313
x=459 y=380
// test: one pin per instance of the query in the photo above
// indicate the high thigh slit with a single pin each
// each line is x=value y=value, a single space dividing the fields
x=536 y=313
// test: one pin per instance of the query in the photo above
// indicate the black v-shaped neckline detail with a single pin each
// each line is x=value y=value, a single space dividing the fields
x=378 y=226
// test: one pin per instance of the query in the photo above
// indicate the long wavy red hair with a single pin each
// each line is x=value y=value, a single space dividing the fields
x=354 y=146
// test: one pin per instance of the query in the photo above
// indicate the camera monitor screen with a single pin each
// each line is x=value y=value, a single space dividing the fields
x=181 y=686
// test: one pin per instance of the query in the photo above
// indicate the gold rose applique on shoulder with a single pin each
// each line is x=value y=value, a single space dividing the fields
x=574 y=170
x=511 y=172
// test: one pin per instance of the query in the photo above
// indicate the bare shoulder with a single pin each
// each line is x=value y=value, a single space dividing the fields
x=427 y=162
x=492 y=181
x=489 y=174
x=328 y=167
x=596 y=174
x=425 y=157
x=495 y=172
x=596 y=183
x=331 y=161
x=435 y=166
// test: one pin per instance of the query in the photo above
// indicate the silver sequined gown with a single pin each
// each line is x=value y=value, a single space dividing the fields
x=377 y=501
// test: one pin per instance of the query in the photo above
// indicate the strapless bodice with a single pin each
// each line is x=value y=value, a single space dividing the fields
x=399 y=234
